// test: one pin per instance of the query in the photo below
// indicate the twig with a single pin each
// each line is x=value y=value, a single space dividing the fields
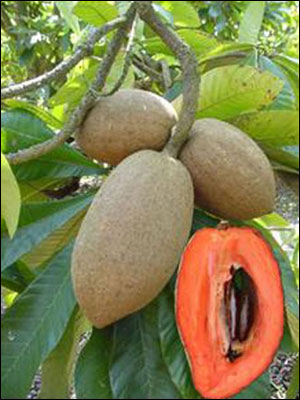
x=87 y=102
x=156 y=76
x=189 y=67
x=166 y=74
x=65 y=66
x=127 y=61
x=148 y=60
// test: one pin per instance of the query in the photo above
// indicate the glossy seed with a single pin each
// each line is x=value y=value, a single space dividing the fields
x=240 y=302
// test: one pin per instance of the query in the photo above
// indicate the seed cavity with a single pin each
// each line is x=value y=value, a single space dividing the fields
x=240 y=302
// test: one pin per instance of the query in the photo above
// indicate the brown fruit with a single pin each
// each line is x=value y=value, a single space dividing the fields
x=128 y=121
x=232 y=177
x=132 y=236
x=229 y=309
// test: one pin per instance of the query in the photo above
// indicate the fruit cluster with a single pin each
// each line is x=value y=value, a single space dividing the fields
x=136 y=229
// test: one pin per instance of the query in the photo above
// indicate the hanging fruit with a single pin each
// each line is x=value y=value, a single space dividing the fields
x=229 y=308
x=124 y=123
x=131 y=239
x=232 y=176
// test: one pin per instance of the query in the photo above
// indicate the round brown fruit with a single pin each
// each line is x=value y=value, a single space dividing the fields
x=128 y=121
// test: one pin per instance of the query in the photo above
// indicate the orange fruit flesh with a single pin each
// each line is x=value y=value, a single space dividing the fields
x=205 y=268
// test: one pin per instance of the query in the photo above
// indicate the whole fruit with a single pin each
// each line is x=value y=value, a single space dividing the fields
x=132 y=237
x=128 y=121
x=232 y=177
x=229 y=308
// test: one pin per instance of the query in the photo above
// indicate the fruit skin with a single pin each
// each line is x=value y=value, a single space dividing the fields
x=232 y=177
x=205 y=268
x=132 y=237
x=128 y=121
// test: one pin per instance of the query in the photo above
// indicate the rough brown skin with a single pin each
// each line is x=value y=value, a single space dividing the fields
x=232 y=177
x=128 y=121
x=132 y=237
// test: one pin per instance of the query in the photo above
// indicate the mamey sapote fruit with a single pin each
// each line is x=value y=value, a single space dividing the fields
x=229 y=308
x=132 y=237
x=232 y=177
x=128 y=121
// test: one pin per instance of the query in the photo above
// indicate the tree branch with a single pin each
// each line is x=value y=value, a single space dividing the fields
x=6 y=23
x=65 y=66
x=87 y=102
x=153 y=74
x=127 y=60
x=191 y=79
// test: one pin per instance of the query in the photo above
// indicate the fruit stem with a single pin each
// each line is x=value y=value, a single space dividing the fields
x=191 y=79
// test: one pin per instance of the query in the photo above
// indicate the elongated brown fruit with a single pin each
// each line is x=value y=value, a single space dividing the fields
x=229 y=309
x=232 y=177
x=132 y=237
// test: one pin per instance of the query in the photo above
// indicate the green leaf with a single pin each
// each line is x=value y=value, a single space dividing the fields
x=199 y=42
x=66 y=11
x=172 y=349
x=227 y=48
x=290 y=67
x=59 y=365
x=289 y=62
x=76 y=86
x=226 y=54
x=293 y=389
x=287 y=344
x=260 y=389
x=252 y=21
x=287 y=275
x=83 y=74
x=33 y=191
x=166 y=16
x=11 y=198
x=96 y=13
x=37 y=222
x=270 y=221
x=33 y=326
x=39 y=112
x=296 y=262
x=156 y=46
x=137 y=366
x=122 y=6
x=21 y=129
x=293 y=322
x=183 y=13
x=92 y=368
x=202 y=220
x=286 y=99
x=116 y=72
x=227 y=92
x=44 y=251
x=282 y=155
x=74 y=89
x=272 y=128
x=33 y=212
x=9 y=296
x=17 y=277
